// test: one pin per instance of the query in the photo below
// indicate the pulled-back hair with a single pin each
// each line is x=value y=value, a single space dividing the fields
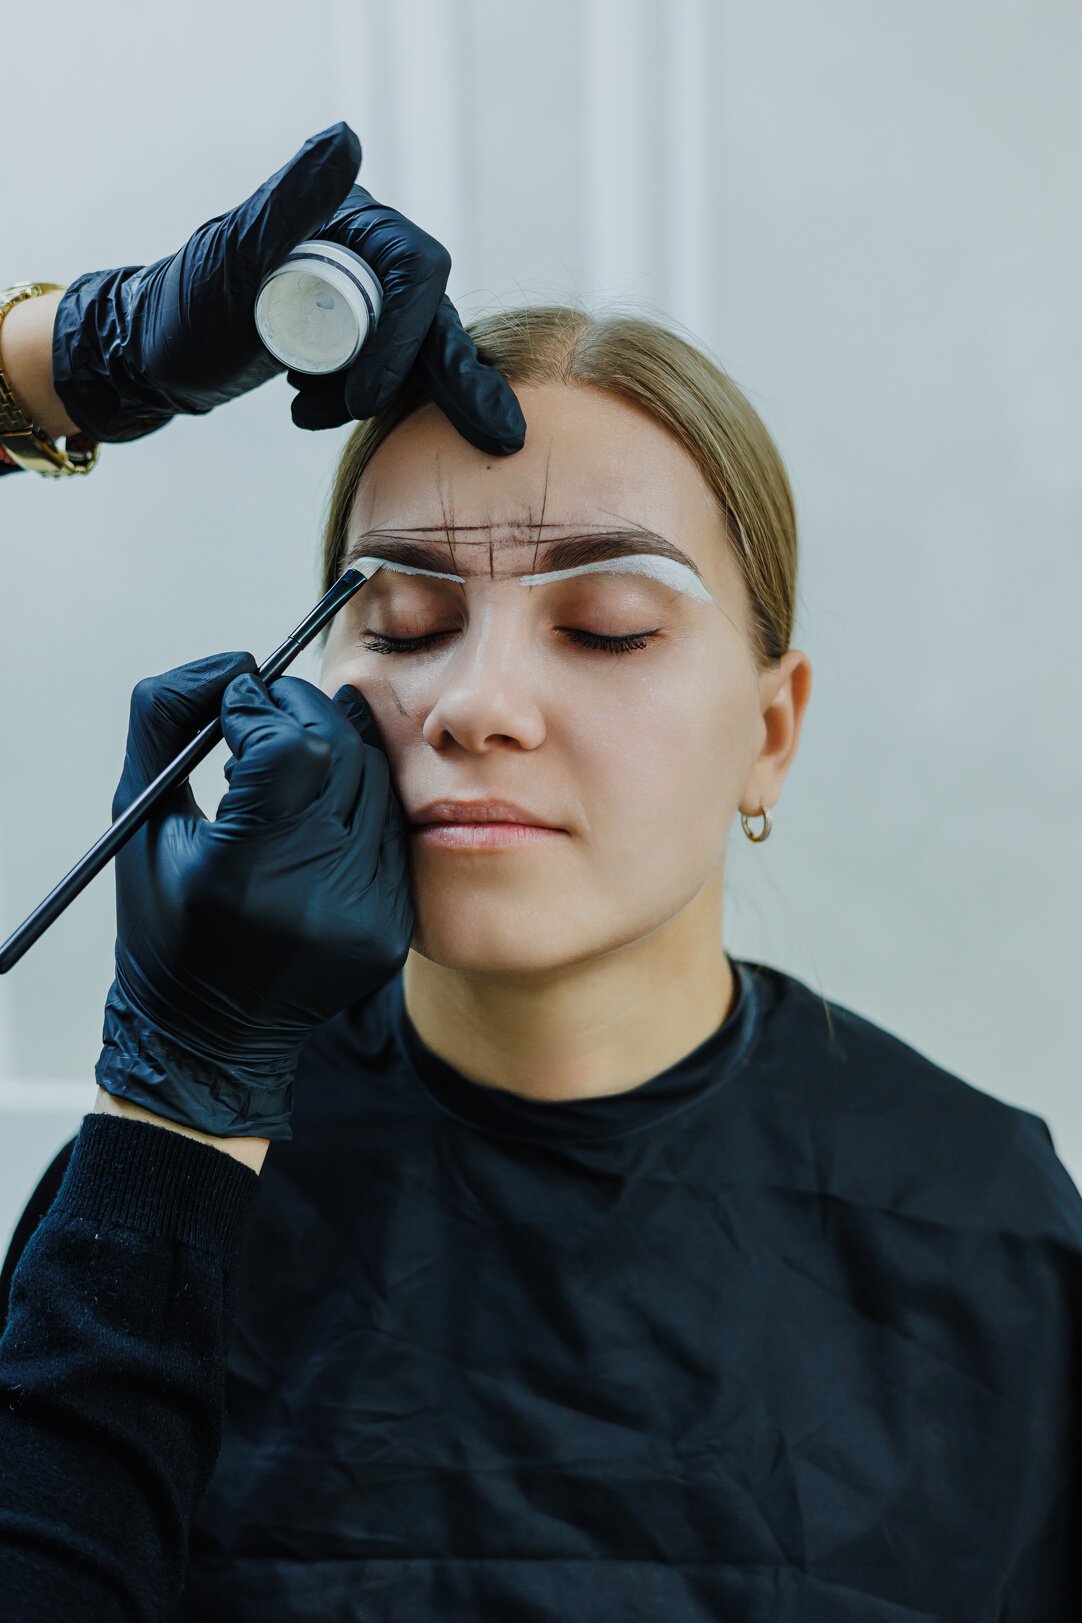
x=642 y=361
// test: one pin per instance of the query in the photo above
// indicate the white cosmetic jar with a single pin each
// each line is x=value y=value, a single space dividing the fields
x=315 y=310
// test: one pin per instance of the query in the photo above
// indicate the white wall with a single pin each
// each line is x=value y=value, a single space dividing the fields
x=867 y=212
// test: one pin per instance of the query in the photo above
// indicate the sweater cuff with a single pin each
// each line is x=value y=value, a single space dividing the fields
x=137 y=1176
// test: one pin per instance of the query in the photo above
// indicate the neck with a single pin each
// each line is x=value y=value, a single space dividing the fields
x=587 y=1029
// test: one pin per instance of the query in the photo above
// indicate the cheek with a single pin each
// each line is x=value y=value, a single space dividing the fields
x=336 y=668
x=344 y=663
x=650 y=757
x=646 y=746
x=395 y=729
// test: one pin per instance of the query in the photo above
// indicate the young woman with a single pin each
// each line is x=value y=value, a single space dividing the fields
x=606 y=1275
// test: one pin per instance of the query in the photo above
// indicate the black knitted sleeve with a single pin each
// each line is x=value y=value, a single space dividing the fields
x=112 y=1373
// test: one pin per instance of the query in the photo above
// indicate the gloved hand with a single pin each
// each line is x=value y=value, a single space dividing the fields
x=236 y=938
x=132 y=347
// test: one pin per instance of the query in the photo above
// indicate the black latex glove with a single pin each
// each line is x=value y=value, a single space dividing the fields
x=132 y=347
x=237 y=938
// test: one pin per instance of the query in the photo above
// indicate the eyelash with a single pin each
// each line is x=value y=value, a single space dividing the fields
x=380 y=644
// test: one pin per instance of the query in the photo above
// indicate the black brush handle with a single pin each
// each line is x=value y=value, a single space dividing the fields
x=189 y=758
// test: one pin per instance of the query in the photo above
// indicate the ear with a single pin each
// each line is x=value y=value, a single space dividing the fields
x=784 y=691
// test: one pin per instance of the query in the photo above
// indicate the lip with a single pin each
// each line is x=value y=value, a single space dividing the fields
x=484 y=836
x=479 y=811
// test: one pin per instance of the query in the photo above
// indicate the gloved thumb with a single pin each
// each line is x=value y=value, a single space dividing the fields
x=166 y=713
x=294 y=203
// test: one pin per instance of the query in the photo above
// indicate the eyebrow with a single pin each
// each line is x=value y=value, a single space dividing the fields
x=564 y=552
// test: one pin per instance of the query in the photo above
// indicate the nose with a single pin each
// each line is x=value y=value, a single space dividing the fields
x=486 y=692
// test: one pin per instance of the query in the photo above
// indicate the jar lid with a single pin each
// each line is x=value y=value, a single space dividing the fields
x=315 y=310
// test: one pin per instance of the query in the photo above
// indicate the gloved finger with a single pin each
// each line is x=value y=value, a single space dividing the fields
x=318 y=405
x=476 y=398
x=166 y=713
x=280 y=764
x=413 y=286
x=333 y=721
x=377 y=807
x=294 y=203
x=352 y=702
x=294 y=747
x=377 y=824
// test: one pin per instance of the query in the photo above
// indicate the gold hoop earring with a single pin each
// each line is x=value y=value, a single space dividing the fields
x=767 y=825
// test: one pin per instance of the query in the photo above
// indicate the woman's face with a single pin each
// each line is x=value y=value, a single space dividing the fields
x=640 y=757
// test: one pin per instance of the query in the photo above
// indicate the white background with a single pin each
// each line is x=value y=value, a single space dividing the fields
x=867 y=212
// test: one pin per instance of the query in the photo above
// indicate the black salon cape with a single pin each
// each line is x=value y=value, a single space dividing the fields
x=787 y=1334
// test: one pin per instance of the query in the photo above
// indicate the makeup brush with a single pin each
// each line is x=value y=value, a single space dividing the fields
x=200 y=747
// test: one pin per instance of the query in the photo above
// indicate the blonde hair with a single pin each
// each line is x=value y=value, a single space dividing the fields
x=690 y=395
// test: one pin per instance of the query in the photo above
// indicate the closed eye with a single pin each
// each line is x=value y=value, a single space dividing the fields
x=627 y=644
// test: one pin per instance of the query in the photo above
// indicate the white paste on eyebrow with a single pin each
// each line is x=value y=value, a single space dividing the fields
x=367 y=566
x=666 y=570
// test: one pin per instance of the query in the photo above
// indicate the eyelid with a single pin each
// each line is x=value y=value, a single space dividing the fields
x=601 y=641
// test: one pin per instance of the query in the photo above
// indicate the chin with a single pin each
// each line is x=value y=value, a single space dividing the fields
x=494 y=951
x=501 y=939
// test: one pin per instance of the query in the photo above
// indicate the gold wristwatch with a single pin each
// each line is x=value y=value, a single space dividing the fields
x=25 y=443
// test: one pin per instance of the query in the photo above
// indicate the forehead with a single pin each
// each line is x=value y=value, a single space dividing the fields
x=590 y=460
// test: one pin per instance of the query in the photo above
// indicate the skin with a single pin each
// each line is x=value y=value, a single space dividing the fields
x=588 y=963
x=26 y=355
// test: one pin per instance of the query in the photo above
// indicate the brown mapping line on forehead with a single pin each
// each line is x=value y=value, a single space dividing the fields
x=515 y=527
x=566 y=552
